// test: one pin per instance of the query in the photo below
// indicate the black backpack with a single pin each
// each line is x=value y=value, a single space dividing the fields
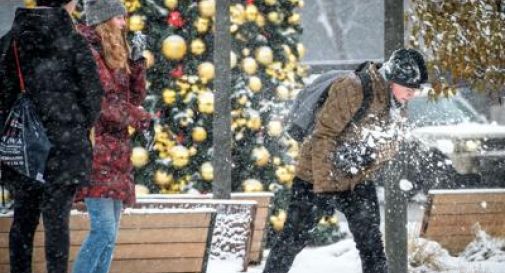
x=5 y=42
x=302 y=115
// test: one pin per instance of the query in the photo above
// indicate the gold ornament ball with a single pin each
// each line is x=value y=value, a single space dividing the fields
x=193 y=151
x=162 y=178
x=261 y=156
x=149 y=56
x=282 y=215
x=283 y=175
x=243 y=100
x=300 y=48
x=206 y=102
x=30 y=3
x=249 y=66
x=282 y=92
x=169 y=96
x=254 y=123
x=270 y=2
x=252 y=185
x=260 y=20
x=174 y=47
x=292 y=58
x=171 y=4
x=246 y=52
x=277 y=224
x=202 y=25
x=139 y=157
x=274 y=17
x=199 y=134
x=136 y=23
x=180 y=156
x=294 y=19
x=251 y=12
x=255 y=84
x=276 y=160
x=198 y=47
x=275 y=128
x=237 y=14
x=264 y=55
x=141 y=190
x=206 y=71
x=207 y=8
x=241 y=122
x=233 y=59
x=207 y=171
x=287 y=49
x=234 y=28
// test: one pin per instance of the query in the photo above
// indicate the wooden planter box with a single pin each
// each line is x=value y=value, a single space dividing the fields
x=263 y=210
x=161 y=241
x=451 y=216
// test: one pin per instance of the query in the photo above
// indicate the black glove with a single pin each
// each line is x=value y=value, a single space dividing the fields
x=138 y=45
x=352 y=159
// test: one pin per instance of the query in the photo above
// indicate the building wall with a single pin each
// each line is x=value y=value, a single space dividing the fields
x=7 y=9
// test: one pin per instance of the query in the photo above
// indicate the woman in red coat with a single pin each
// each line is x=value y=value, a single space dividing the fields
x=111 y=184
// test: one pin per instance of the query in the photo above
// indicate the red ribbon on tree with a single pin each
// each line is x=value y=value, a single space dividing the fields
x=177 y=72
x=175 y=19
x=250 y=2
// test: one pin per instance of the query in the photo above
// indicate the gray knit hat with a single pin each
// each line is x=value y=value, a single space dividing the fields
x=99 y=11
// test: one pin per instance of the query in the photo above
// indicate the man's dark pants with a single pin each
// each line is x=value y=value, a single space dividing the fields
x=54 y=203
x=359 y=206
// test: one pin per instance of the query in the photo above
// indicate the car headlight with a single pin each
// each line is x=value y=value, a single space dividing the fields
x=446 y=146
x=471 y=146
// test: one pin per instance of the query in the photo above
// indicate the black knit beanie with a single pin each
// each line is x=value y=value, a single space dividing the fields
x=52 y=3
x=406 y=67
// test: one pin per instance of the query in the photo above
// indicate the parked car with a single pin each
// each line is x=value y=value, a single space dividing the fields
x=452 y=146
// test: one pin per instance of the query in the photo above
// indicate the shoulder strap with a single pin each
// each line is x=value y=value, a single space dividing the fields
x=366 y=84
x=18 y=66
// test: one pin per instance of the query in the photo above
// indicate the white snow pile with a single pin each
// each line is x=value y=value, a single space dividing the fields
x=485 y=248
x=428 y=256
x=484 y=255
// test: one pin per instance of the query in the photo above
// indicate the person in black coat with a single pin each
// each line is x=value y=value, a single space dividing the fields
x=62 y=81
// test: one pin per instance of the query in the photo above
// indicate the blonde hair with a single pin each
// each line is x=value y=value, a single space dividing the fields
x=114 y=46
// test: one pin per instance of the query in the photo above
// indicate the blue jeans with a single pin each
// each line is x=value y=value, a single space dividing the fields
x=95 y=255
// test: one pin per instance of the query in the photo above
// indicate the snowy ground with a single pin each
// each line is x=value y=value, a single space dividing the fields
x=342 y=257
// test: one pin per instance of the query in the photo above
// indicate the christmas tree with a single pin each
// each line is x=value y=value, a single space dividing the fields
x=266 y=76
x=180 y=74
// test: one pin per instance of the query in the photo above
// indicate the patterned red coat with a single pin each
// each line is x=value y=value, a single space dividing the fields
x=112 y=173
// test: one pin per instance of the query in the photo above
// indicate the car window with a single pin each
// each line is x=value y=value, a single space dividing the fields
x=444 y=111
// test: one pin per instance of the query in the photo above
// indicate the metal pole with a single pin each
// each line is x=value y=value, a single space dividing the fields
x=222 y=116
x=393 y=26
x=396 y=201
